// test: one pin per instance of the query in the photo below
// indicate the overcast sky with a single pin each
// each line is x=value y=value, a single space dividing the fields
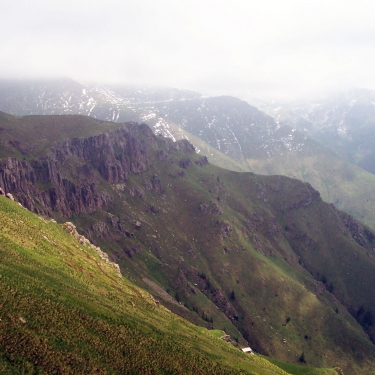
x=271 y=48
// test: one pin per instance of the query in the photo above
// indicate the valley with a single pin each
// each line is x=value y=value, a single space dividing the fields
x=187 y=188
x=262 y=258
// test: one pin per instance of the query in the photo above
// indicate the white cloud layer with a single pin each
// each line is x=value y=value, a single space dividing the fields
x=268 y=48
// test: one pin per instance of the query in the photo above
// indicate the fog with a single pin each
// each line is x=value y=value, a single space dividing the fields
x=271 y=49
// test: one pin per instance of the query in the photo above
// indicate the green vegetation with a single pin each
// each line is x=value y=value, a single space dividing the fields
x=259 y=257
x=349 y=187
x=286 y=305
x=38 y=133
x=304 y=370
x=65 y=310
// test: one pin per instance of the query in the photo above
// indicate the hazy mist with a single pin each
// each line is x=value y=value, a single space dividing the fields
x=280 y=49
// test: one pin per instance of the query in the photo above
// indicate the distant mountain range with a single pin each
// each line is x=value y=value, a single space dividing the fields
x=232 y=133
x=230 y=125
x=344 y=122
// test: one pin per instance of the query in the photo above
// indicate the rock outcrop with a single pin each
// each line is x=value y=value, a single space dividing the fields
x=360 y=234
x=71 y=228
x=51 y=183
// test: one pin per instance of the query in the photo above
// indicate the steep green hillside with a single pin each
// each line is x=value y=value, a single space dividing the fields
x=66 y=310
x=258 y=144
x=348 y=186
x=261 y=258
x=271 y=276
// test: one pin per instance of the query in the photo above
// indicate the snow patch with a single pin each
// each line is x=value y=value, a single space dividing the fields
x=148 y=116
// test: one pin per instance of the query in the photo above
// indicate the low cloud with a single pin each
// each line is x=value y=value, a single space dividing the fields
x=274 y=49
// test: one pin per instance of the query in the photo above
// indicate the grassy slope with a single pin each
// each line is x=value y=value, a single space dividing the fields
x=303 y=370
x=349 y=187
x=346 y=185
x=263 y=283
x=39 y=132
x=64 y=310
x=332 y=258
x=256 y=278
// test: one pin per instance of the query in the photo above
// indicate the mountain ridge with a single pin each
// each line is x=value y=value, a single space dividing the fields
x=341 y=121
x=248 y=253
x=225 y=133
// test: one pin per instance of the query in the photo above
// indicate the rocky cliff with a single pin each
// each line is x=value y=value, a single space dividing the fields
x=66 y=181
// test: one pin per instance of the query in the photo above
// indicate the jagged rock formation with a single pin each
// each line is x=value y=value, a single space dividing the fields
x=114 y=155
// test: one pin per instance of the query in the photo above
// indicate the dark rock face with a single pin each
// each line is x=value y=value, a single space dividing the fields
x=44 y=185
x=210 y=208
x=153 y=209
x=18 y=177
x=180 y=173
x=19 y=147
x=202 y=161
x=133 y=250
x=154 y=185
x=185 y=146
x=163 y=155
x=225 y=229
x=100 y=230
x=184 y=163
x=115 y=154
x=360 y=234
